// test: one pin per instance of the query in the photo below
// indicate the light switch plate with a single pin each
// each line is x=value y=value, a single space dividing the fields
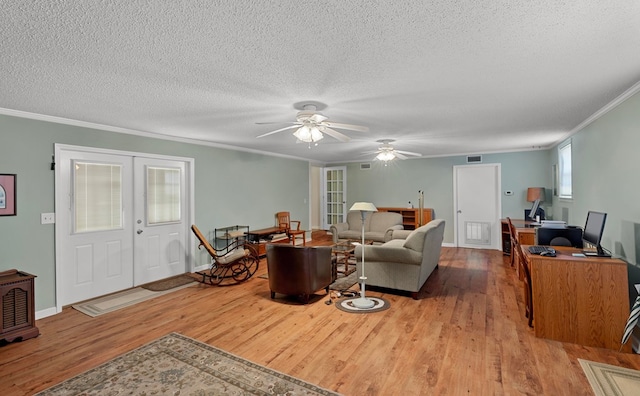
x=47 y=218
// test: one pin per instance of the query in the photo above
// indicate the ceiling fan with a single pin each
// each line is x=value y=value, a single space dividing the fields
x=311 y=125
x=386 y=152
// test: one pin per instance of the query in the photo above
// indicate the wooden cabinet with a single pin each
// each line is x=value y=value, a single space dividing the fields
x=411 y=216
x=583 y=300
x=18 y=306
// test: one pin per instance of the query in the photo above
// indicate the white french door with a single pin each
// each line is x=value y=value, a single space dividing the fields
x=477 y=206
x=94 y=237
x=334 y=188
x=122 y=220
x=160 y=208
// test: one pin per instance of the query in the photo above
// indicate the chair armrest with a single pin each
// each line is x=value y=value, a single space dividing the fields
x=388 y=234
x=400 y=234
x=381 y=253
x=298 y=226
x=338 y=227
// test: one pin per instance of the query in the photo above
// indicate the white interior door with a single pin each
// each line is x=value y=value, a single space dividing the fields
x=335 y=195
x=94 y=236
x=160 y=212
x=477 y=206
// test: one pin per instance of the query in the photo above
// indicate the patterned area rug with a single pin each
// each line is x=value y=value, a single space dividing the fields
x=175 y=364
x=608 y=380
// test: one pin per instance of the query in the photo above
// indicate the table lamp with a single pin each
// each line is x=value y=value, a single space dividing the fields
x=535 y=195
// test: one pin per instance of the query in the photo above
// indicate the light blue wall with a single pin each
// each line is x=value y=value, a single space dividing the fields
x=606 y=175
x=232 y=187
x=399 y=182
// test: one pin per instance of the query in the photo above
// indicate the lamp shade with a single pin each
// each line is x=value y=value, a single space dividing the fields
x=364 y=207
x=534 y=193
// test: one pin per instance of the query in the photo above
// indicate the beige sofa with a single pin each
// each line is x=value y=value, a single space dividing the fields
x=403 y=264
x=378 y=226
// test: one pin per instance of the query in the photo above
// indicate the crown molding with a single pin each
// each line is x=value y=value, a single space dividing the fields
x=635 y=88
x=127 y=131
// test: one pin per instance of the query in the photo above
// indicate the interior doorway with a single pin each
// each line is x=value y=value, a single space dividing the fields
x=477 y=206
x=334 y=195
x=122 y=219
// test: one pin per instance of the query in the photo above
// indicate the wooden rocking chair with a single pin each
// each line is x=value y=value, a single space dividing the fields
x=237 y=263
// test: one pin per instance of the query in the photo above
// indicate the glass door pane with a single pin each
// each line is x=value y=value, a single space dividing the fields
x=97 y=196
x=163 y=195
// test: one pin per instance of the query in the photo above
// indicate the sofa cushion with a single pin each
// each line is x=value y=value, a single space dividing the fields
x=381 y=221
x=415 y=240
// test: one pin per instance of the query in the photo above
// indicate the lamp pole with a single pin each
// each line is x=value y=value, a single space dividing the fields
x=362 y=302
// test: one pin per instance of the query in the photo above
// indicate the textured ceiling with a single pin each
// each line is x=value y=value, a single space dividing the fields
x=442 y=78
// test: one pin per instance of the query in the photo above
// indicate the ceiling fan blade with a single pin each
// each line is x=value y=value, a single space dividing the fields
x=336 y=135
x=400 y=156
x=278 y=130
x=281 y=122
x=409 y=153
x=350 y=127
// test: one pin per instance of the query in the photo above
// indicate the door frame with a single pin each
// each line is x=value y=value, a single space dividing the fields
x=58 y=209
x=496 y=232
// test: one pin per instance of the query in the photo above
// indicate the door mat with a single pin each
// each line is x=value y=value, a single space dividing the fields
x=126 y=298
x=609 y=380
x=169 y=283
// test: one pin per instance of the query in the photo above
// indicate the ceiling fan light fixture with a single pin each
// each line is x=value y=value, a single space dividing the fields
x=308 y=135
x=385 y=156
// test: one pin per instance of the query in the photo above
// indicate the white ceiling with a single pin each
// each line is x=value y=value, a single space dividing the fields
x=442 y=78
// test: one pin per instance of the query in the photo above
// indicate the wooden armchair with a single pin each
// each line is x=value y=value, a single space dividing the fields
x=284 y=222
x=523 y=271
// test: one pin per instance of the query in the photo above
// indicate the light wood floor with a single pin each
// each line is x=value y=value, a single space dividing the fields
x=466 y=335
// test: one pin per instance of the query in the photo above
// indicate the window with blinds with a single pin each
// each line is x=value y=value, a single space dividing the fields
x=163 y=195
x=97 y=196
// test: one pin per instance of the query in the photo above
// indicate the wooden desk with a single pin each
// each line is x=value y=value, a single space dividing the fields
x=583 y=300
x=254 y=238
x=523 y=227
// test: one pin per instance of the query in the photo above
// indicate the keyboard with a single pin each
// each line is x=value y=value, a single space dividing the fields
x=541 y=249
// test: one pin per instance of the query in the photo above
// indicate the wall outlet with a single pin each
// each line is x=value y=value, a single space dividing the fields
x=47 y=218
x=508 y=192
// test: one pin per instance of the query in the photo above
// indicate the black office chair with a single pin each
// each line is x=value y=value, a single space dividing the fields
x=560 y=241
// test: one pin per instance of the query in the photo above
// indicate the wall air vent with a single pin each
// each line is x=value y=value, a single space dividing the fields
x=474 y=159
x=365 y=166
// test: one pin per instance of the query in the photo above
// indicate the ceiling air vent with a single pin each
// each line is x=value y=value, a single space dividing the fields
x=474 y=159
x=365 y=166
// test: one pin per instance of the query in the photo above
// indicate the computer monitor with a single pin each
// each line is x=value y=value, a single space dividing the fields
x=534 y=209
x=592 y=234
x=545 y=236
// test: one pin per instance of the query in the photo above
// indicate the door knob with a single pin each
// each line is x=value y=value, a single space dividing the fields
x=139 y=231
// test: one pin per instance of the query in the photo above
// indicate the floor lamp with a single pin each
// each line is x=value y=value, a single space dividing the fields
x=362 y=302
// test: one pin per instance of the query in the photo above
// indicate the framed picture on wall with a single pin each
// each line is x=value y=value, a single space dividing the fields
x=7 y=194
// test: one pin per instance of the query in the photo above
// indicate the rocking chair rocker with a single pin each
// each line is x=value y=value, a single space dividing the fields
x=238 y=263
